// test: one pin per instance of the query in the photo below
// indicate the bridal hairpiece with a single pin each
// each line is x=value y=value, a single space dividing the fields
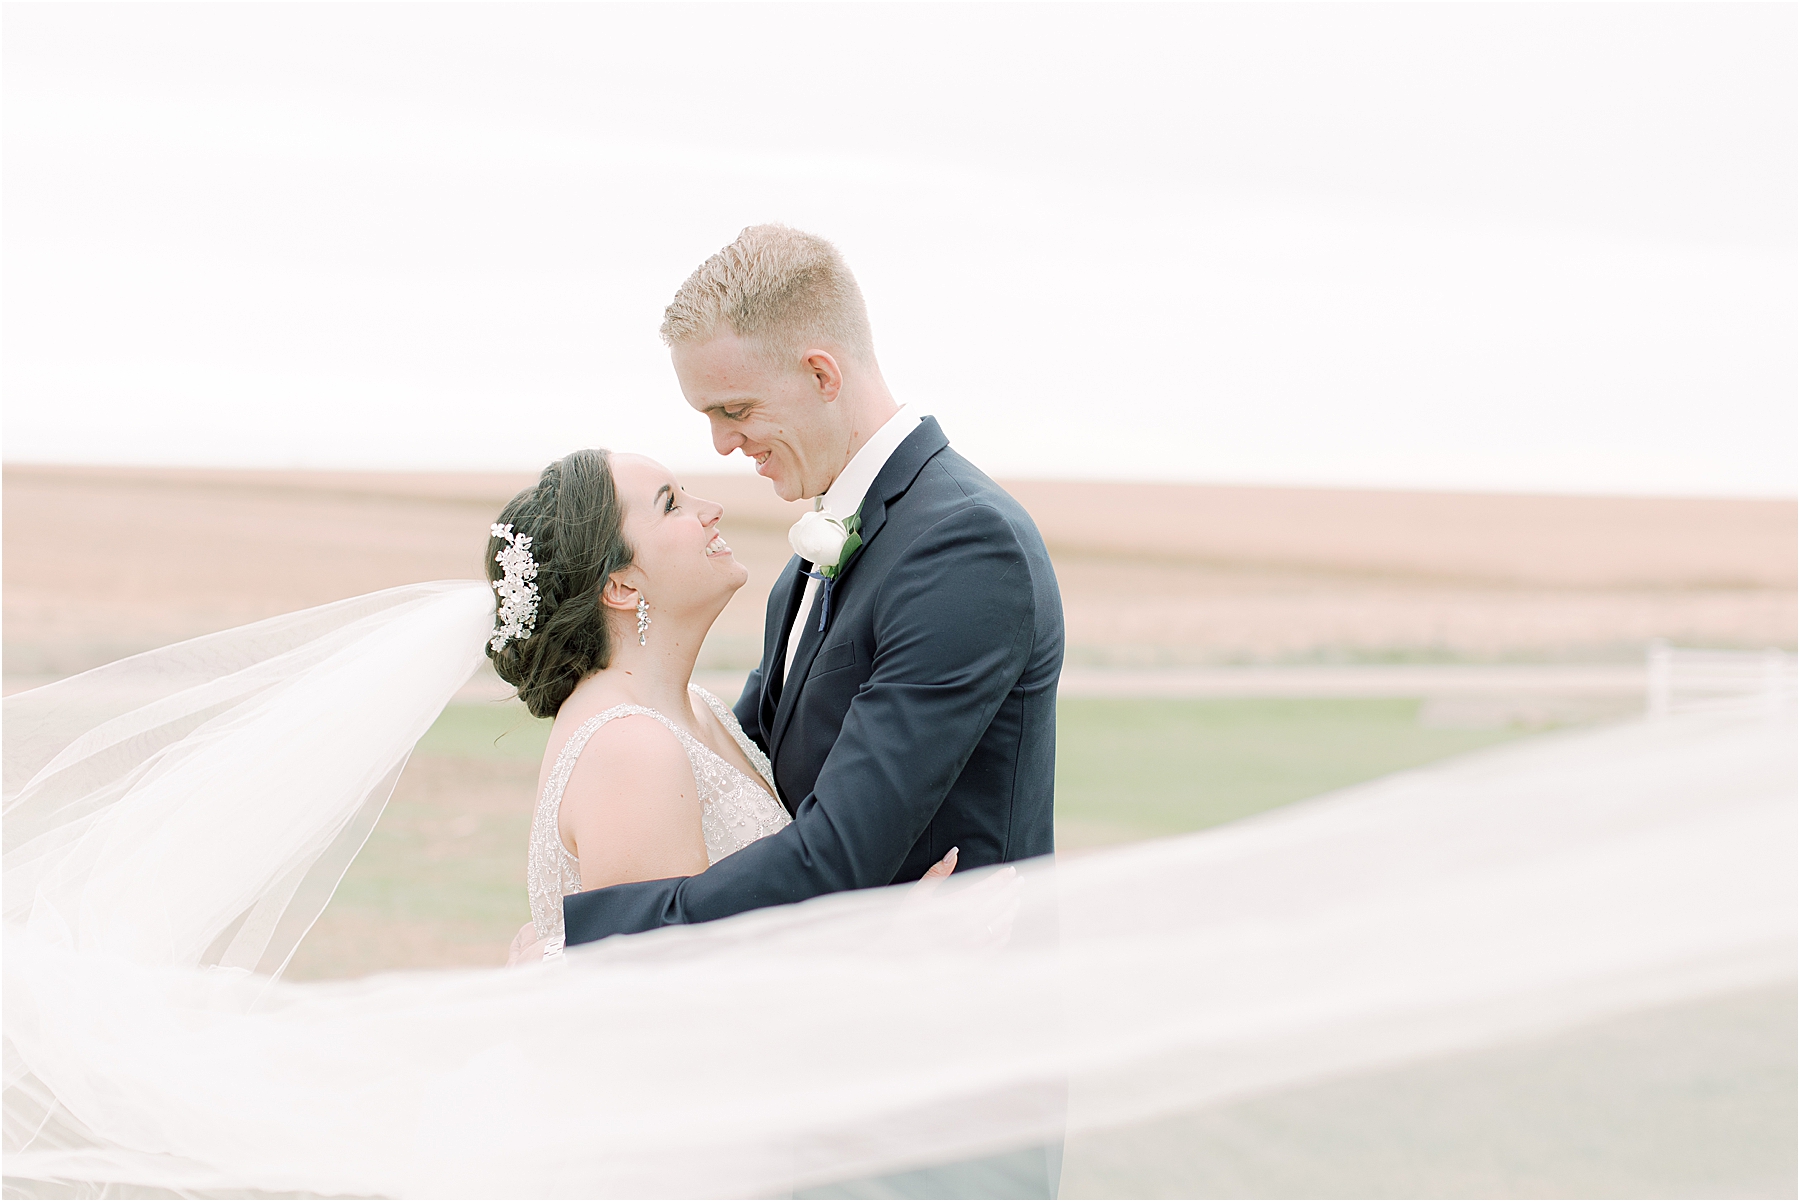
x=518 y=595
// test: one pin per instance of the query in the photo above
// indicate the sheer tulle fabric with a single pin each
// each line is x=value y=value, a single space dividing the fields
x=175 y=821
x=197 y=805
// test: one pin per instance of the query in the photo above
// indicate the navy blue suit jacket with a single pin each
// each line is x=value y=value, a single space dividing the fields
x=922 y=718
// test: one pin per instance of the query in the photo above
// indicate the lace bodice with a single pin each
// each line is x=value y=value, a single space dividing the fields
x=734 y=810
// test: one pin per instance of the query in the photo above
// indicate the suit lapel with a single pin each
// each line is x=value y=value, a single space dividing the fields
x=810 y=637
x=895 y=477
x=902 y=468
x=793 y=581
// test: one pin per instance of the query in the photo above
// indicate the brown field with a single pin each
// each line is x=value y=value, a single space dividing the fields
x=103 y=562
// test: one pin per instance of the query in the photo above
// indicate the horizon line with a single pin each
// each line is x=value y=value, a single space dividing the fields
x=723 y=470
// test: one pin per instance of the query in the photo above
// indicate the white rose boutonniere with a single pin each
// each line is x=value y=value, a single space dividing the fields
x=819 y=538
x=827 y=543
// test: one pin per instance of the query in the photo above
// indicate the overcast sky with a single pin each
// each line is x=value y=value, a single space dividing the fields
x=1519 y=247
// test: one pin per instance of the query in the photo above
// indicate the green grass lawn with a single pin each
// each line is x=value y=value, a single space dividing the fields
x=1137 y=769
x=491 y=730
x=442 y=878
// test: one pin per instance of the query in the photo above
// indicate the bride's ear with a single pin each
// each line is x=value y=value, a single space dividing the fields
x=618 y=593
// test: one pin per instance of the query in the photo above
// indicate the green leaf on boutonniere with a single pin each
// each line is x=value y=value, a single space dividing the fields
x=853 y=524
x=850 y=546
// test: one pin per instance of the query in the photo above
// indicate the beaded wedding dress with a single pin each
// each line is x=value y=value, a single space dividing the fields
x=735 y=811
x=1232 y=1002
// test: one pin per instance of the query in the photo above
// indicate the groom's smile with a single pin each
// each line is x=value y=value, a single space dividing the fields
x=778 y=414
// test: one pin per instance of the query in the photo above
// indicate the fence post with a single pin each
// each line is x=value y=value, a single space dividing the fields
x=1659 y=685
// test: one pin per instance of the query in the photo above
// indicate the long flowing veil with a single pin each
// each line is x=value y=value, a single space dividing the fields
x=197 y=805
x=174 y=822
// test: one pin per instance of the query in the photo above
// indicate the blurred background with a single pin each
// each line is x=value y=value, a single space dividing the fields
x=1384 y=379
x=1387 y=380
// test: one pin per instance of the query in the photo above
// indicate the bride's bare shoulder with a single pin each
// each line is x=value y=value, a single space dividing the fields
x=635 y=746
x=631 y=809
x=633 y=763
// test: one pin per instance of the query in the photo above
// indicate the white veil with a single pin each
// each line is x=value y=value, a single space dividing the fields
x=197 y=805
x=174 y=822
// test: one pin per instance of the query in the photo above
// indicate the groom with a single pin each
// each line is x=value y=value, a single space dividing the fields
x=907 y=691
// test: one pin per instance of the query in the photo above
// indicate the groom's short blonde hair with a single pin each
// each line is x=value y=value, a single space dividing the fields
x=779 y=287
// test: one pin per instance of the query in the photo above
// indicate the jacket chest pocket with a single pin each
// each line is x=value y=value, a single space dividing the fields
x=834 y=658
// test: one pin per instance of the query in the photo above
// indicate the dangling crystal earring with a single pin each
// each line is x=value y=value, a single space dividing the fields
x=643 y=623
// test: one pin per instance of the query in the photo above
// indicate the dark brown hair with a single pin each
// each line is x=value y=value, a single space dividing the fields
x=576 y=523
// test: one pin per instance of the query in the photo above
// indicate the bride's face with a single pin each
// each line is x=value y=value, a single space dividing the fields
x=675 y=541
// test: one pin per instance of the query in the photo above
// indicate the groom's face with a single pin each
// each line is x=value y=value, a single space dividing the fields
x=778 y=415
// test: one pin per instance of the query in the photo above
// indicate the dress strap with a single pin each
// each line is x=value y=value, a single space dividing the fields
x=729 y=721
x=715 y=705
x=571 y=750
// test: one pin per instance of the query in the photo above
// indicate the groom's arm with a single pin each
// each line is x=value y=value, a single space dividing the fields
x=954 y=624
x=749 y=710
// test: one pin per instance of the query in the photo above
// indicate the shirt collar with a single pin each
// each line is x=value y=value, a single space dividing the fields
x=845 y=496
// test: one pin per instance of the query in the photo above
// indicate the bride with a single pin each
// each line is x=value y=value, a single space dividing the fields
x=174 y=823
x=646 y=775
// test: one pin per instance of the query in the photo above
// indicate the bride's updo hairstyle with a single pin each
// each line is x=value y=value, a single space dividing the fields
x=576 y=523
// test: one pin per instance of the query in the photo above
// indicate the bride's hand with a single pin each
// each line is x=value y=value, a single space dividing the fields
x=934 y=875
x=984 y=911
x=526 y=947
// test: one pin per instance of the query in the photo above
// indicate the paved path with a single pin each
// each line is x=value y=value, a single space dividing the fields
x=1361 y=680
x=1348 y=680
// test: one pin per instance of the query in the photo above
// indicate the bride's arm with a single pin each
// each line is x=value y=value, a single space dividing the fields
x=631 y=809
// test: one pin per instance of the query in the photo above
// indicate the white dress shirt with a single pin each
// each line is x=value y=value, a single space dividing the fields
x=845 y=497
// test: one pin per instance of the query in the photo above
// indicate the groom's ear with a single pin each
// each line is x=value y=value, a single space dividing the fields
x=828 y=378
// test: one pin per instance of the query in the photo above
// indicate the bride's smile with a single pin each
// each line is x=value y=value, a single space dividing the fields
x=684 y=562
